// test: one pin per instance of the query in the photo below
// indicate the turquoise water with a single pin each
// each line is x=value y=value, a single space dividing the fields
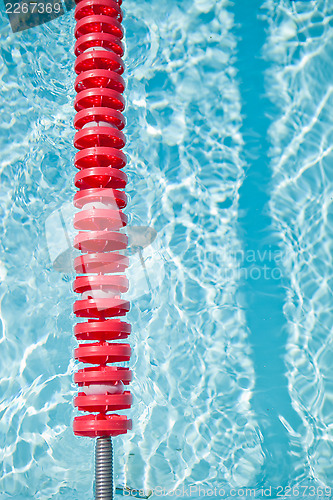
x=229 y=127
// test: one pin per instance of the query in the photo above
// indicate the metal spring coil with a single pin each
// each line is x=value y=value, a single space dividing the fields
x=103 y=469
x=100 y=197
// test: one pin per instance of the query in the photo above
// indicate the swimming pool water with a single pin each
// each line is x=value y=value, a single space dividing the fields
x=229 y=128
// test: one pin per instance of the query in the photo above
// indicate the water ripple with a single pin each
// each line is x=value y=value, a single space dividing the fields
x=300 y=43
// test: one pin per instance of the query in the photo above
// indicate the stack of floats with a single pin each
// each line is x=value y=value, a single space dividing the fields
x=100 y=198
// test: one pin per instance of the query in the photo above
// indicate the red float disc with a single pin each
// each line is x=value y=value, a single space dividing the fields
x=100 y=241
x=100 y=263
x=99 y=219
x=102 y=353
x=102 y=24
x=96 y=136
x=101 y=425
x=103 y=402
x=97 y=115
x=91 y=98
x=100 y=157
x=119 y=2
x=110 y=329
x=93 y=7
x=99 y=78
x=102 y=374
x=111 y=197
x=99 y=59
x=99 y=40
x=101 y=308
x=116 y=283
x=100 y=177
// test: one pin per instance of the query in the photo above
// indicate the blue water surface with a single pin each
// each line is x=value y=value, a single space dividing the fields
x=229 y=141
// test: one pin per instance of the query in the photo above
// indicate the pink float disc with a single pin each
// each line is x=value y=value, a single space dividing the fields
x=100 y=241
x=109 y=262
x=85 y=283
x=100 y=195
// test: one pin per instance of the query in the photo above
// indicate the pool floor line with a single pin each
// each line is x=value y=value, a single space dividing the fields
x=263 y=288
